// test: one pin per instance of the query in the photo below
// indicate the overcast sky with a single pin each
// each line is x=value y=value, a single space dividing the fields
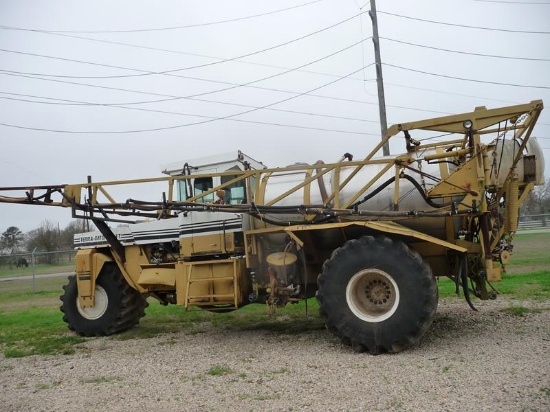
x=92 y=66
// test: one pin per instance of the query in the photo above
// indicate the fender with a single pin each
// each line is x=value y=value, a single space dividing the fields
x=88 y=264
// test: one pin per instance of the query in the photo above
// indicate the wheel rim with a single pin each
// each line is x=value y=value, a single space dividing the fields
x=372 y=295
x=101 y=303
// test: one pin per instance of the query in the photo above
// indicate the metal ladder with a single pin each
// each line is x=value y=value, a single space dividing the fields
x=226 y=301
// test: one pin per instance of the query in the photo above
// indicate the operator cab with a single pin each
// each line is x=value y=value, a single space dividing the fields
x=213 y=233
x=206 y=169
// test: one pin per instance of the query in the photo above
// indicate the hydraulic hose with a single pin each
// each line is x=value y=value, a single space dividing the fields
x=464 y=277
x=392 y=180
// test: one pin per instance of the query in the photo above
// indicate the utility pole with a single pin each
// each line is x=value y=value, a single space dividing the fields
x=379 y=78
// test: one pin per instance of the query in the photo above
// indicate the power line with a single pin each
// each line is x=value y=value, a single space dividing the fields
x=186 y=124
x=173 y=97
x=164 y=50
x=465 y=79
x=463 y=25
x=446 y=92
x=455 y=94
x=463 y=52
x=211 y=117
x=168 y=74
x=222 y=61
x=234 y=86
x=186 y=26
x=272 y=66
x=67 y=102
x=234 y=120
x=184 y=53
x=513 y=2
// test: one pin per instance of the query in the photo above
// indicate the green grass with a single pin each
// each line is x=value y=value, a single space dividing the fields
x=31 y=324
x=35 y=331
x=219 y=370
x=532 y=286
x=41 y=269
x=170 y=319
x=520 y=310
x=530 y=253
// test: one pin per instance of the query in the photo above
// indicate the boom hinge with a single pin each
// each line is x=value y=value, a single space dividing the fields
x=108 y=234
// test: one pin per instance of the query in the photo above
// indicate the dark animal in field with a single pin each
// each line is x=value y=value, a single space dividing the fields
x=22 y=262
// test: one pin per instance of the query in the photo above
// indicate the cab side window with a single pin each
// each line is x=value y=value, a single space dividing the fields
x=235 y=194
x=201 y=185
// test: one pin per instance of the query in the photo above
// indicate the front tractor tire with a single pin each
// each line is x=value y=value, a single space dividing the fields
x=377 y=295
x=118 y=306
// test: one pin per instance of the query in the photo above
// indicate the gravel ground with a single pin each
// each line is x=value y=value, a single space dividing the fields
x=469 y=361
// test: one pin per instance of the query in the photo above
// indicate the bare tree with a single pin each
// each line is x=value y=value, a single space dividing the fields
x=538 y=201
x=67 y=234
x=47 y=238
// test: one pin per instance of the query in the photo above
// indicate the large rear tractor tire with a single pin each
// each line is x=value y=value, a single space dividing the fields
x=377 y=295
x=118 y=306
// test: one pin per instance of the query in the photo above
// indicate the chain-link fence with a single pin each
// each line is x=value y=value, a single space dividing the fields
x=35 y=271
x=38 y=260
x=534 y=221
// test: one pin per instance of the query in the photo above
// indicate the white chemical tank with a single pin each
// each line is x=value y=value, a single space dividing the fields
x=500 y=157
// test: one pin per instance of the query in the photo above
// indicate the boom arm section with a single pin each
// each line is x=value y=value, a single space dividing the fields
x=470 y=175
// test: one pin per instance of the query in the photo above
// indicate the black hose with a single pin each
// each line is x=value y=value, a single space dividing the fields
x=464 y=276
x=392 y=180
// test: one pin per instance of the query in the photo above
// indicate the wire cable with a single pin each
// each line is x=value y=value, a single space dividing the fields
x=274 y=89
x=465 y=79
x=463 y=25
x=234 y=86
x=225 y=60
x=172 y=97
x=68 y=102
x=186 y=124
x=513 y=2
x=183 y=53
x=186 y=26
x=463 y=52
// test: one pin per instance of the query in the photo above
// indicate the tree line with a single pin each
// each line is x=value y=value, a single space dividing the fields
x=48 y=237
x=538 y=201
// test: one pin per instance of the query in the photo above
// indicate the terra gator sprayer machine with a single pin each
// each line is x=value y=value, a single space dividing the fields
x=367 y=237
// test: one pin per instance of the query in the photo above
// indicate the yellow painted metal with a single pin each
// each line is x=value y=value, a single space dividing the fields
x=482 y=118
x=260 y=193
x=84 y=278
x=212 y=282
x=494 y=273
x=131 y=268
x=471 y=247
x=71 y=192
x=462 y=181
x=512 y=206
x=445 y=155
x=158 y=275
x=395 y=228
x=88 y=265
x=385 y=227
x=205 y=244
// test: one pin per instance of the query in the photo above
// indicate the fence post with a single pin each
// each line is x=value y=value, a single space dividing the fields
x=33 y=272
